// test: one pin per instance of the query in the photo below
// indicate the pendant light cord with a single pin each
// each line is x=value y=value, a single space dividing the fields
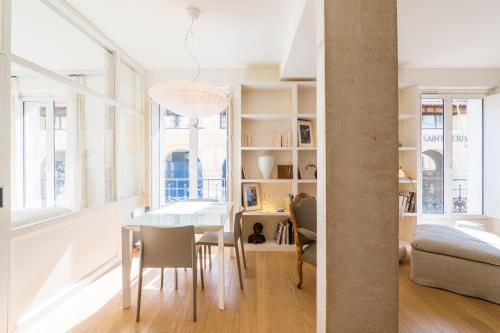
x=191 y=33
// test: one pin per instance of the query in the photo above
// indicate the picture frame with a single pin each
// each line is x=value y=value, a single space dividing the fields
x=251 y=196
x=305 y=133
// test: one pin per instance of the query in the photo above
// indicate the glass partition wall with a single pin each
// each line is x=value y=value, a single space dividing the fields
x=77 y=113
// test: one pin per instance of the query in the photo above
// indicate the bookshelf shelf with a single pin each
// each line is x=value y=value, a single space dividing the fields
x=407 y=181
x=267 y=112
x=267 y=116
x=407 y=148
x=269 y=246
x=306 y=116
x=409 y=214
x=268 y=181
x=265 y=213
x=267 y=148
x=407 y=116
x=409 y=105
x=307 y=181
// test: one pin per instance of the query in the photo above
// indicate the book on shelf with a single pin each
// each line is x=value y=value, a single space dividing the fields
x=284 y=233
x=244 y=174
x=408 y=201
x=246 y=140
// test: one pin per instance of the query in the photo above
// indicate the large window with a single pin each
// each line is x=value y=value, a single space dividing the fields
x=452 y=155
x=193 y=155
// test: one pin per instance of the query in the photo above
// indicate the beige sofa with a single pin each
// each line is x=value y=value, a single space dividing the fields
x=457 y=259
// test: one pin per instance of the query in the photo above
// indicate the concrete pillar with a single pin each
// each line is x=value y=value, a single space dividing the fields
x=5 y=165
x=358 y=189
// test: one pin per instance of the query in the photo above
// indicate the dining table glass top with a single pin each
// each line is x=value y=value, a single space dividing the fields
x=184 y=213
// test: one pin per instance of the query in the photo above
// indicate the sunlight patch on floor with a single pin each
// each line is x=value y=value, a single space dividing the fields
x=82 y=304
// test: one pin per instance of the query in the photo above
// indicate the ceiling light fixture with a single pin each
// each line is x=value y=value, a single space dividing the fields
x=190 y=98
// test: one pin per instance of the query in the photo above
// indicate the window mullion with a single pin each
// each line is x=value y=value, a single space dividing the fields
x=50 y=194
x=193 y=159
x=448 y=154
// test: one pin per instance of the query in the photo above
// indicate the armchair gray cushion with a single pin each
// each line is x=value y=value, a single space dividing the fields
x=309 y=254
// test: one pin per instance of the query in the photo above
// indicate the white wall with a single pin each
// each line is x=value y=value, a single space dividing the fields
x=49 y=259
x=492 y=156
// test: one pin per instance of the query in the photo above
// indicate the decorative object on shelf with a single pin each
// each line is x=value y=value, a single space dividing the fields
x=305 y=133
x=257 y=237
x=286 y=139
x=251 y=196
x=268 y=203
x=266 y=165
x=313 y=166
x=285 y=171
x=190 y=98
x=280 y=210
x=402 y=173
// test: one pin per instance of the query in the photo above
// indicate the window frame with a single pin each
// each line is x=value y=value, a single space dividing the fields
x=448 y=155
x=50 y=99
x=158 y=123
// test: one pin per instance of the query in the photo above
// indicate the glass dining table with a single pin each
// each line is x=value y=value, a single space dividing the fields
x=204 y=216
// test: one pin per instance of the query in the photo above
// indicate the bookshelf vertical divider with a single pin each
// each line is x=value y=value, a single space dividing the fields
x=267 y=110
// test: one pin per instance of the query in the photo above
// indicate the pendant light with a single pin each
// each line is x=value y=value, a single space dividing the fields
x=190 y=98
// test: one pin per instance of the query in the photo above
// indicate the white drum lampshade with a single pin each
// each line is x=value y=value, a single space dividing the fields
x=190 y=99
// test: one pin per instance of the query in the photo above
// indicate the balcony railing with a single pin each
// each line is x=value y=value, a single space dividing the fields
x=177 y=189
x=432 y=201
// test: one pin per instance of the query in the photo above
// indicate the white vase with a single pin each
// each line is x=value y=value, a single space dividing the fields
x=266 y=165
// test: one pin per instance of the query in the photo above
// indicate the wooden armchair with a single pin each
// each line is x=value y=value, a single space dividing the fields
x=303 y=216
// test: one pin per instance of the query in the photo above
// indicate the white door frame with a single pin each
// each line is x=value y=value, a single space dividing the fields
x=5 y=320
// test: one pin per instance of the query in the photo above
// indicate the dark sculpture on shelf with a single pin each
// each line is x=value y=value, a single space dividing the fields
x=257 y=237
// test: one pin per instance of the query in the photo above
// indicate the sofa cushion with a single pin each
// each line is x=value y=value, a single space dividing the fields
x=458 y=242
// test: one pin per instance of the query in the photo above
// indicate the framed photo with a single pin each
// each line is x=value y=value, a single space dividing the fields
x=305 y=133
x=251 y=196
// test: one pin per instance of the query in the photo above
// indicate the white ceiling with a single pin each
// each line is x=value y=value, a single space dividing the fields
x=449 y=33
x=239 y=33
x=228 y=34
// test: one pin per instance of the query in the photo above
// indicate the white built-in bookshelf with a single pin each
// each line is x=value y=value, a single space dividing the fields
x=268 y=120
x=409 y=157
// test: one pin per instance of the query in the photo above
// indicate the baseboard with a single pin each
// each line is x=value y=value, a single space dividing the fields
x=31 y=318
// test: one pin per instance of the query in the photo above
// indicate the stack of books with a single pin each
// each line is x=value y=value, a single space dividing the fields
x=408 y=201
x=283 y=140
x=284 y=233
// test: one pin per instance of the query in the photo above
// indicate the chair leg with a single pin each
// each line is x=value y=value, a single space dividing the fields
x=139 y=294
x=243 y=253
x=238 y=262
x=299 y=270
x=176 y=283
x=205 y=251
x=195 y=287
x=210 y=257
x=161 y=279
x=201 y=271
